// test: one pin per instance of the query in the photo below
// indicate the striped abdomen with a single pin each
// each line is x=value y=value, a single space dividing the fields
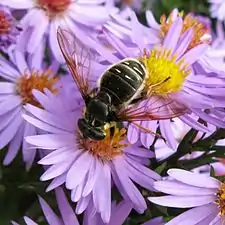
x=123 y=81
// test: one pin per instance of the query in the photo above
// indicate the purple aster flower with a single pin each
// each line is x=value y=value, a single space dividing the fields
x=9 y=29
x=202 y=193
x=88 y=167
x=21 y=74
x=217 y=9
x=68 y=216
x=173 y=72
x=45 y=16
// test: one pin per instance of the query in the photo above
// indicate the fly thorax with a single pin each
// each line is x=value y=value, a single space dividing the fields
x=97 y=111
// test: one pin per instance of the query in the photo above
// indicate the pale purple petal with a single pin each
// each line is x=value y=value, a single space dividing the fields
x=183 y=201
x=59 y=155
x=193 y=216
x=51 y=141
x=68 y=215
x=120 y=213
x=14 y=146
x=18 y=4
x=56 y=170
x=79 y=170
x=56 y=182
x=28 y=221
x=194 y=179
x=181 y=189
x=9 y=132
x=11 y=103
x=131 y=191
x=49 y=214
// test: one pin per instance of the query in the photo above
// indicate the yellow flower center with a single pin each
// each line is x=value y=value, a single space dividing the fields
x=5 y=24
x=38 y=81
x=54 y=7
x=108 y=148
x=220 y=201
x=166 y=74
x=201 y=32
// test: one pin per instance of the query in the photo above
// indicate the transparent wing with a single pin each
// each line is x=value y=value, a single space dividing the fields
x=155 y=108
x=78 y=58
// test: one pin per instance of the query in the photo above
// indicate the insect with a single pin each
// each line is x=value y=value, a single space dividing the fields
x=118 y=96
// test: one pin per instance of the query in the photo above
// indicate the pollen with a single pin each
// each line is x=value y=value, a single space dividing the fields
x=201 y=31
x=220 y=201
x=5 y=23
x=166 y=74
x=38 y=81
x=54 y=7
x=108 y=148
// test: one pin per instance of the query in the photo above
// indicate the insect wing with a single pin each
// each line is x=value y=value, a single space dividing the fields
x=78 y=59
x=155 y=108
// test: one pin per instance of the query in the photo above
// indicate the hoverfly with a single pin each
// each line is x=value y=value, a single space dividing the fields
x=118 y=96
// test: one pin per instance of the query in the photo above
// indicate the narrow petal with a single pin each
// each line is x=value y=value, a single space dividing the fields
x=38 y=31
x=51 y=141
x=14 y=146
x=9 y=104
x=56 y=182
x=194 y=179
x=56 y=170
x=49 y=214
x=131 y=191
x=193 y=216
x=173 y=34
x=59 y=155
x=182 y=189
x=7 y=88
x=21 y=62
x=121 y=213
x=50 y=118
x=9 y=132
x=79 y=169
x=18 y=4
x=194 y=54
x=182 y=201
x=102 y=193
x=28 y=221
x=68 y=215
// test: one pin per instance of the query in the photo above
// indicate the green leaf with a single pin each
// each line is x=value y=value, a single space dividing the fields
x=161 y=168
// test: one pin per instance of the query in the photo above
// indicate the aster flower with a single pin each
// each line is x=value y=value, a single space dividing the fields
x=68 y=216
x=20 y=75
x=202 y=193
x=175 y=57
x=45 y=16
x=87 y=167
x=9 y=29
